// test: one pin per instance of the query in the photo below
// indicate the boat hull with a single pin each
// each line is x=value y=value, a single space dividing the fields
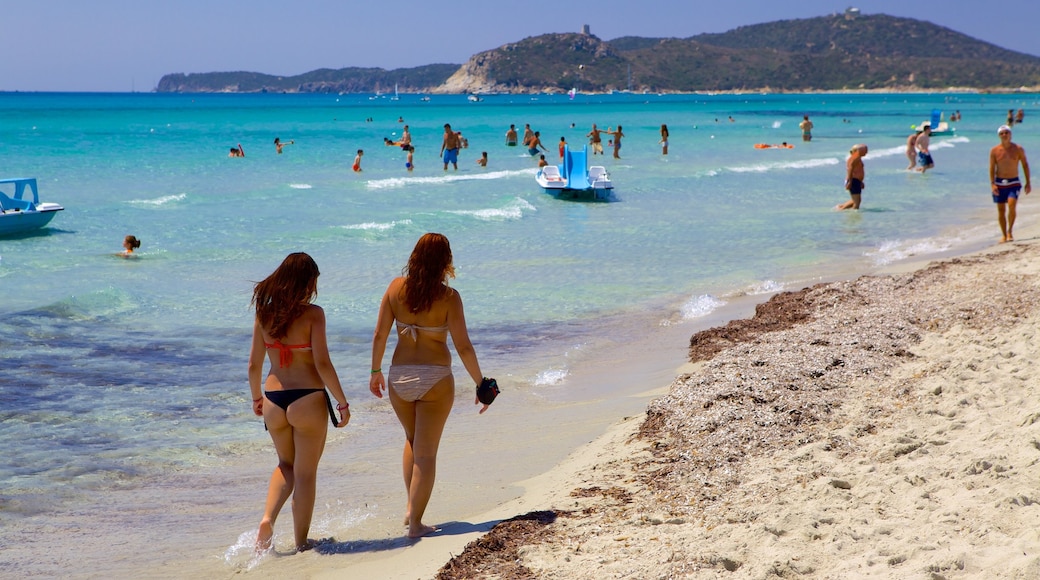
x=17 y=222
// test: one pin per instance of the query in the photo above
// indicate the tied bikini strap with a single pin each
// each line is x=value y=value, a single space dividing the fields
x=332 y=412
x=285 y=351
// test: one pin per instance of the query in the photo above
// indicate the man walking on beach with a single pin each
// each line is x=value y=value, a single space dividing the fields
x=1003 y=179
x=854 y=175
x=806 y=127
x=450 y=148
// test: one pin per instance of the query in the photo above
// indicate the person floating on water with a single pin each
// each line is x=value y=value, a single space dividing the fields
x=1004 y=182
x=854 y=175
x=130 y=243
x=237 y=152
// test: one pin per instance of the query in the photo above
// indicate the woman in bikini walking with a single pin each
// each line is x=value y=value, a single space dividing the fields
x=294 y=403
x=421 y=387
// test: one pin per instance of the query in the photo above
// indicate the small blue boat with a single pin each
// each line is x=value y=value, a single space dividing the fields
x=19 y=215
x=574 y=179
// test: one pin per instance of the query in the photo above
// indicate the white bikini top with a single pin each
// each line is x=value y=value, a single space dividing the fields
x=413 y=329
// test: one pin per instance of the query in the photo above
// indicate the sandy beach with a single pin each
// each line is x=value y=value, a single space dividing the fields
x=879 y=427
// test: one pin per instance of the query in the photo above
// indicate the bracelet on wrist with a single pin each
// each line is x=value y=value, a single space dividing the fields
x=374 y=371
x=257 y=400
x=343 y=407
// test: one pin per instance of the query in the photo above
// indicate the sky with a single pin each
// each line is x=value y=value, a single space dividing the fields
x=128 y=45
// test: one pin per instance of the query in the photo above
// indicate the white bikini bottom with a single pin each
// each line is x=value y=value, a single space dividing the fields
x=411 y=382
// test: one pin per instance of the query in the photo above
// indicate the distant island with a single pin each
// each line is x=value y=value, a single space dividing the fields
x=840 y=52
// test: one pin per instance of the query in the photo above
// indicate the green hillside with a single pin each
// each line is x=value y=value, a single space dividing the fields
x=836 y=52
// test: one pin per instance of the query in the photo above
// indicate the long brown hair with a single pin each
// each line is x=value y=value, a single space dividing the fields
x=425 y=275
x=281 y=297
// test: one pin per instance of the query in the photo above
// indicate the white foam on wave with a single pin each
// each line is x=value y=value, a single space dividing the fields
x=337 y=518
x=394 y=182
x=777 y=124
x=700 y=306
x=377 y=226
x=895 y=250
x=550 y=377
x=160 y=200
x=765 y=287
x=513 y=210
x=800 y=164
x=300 y=185
x=889 y=152
x=946 y=143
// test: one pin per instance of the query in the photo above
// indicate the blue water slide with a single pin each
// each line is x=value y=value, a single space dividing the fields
x=576 y=170
x=936 y=115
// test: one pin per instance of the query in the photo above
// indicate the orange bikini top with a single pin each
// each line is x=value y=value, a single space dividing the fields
x=285 y=351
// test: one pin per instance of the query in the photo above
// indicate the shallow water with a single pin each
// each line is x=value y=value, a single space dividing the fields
x=123 y=391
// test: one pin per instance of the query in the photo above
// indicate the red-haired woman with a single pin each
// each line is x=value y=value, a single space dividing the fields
x=294 y=403
x=421 y=386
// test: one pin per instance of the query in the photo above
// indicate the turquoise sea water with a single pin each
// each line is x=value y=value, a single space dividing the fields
x=123 y=381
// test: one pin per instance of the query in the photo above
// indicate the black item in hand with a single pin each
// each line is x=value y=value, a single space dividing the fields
x=487 y=391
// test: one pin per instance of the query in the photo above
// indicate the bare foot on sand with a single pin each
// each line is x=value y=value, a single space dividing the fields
x=263 y=537
x=422 y=530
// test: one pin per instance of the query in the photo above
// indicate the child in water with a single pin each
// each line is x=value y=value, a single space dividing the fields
x=130 y=243
x=357 y=161
x=408 y=161
x=482 y=161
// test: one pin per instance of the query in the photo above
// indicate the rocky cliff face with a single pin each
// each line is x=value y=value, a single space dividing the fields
x=546 y=63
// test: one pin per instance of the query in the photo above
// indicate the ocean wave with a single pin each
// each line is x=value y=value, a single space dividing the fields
x=889 y=152
x=377 y=226
x=550 y=377
x=513 y=210
x=160 y=200
x=700 y=306
x=801 y=164
x=895 y=250
x=394 y=182
x=301 y=185
x=764 y=287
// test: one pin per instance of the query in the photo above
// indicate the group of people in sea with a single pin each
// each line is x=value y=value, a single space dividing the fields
x=1005 y=159
x=294 y=399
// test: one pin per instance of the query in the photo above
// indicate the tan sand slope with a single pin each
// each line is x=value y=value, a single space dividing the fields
x=887 y=427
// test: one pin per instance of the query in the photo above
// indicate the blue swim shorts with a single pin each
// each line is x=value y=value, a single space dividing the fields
x=924 y=159
x=1006 y=188
x=533 y=151
x=855 y=186
x=451 y=155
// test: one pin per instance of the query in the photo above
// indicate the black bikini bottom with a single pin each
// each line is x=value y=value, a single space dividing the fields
x=287 y=397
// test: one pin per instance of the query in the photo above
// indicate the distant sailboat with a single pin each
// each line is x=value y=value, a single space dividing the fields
x=396 y=97
x=572 y=92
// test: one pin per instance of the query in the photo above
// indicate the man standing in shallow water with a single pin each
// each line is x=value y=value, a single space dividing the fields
x=1003 y=179
x=450 y=148
x=854 y=175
